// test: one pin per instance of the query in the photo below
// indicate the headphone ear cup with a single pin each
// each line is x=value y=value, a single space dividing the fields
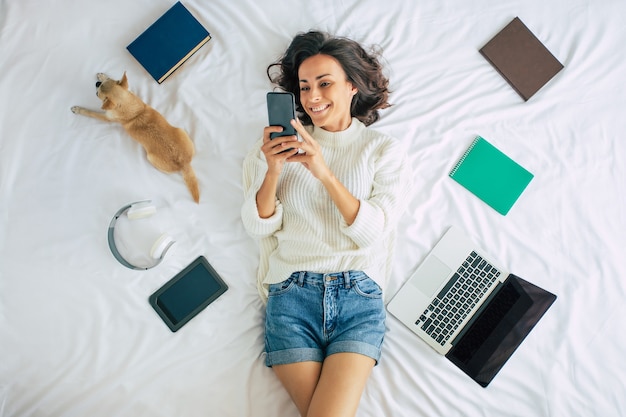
x=141 y=210
x=160 y=247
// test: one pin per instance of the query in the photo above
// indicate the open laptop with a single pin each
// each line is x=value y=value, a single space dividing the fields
x=468 y=307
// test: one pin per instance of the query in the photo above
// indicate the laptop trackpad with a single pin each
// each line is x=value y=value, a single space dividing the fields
x=432 y=273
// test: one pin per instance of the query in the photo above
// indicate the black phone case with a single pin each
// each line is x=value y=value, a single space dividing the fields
x=281 y=109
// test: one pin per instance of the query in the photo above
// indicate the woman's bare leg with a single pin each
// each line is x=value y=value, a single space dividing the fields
x=300 y=380
x=341 y=385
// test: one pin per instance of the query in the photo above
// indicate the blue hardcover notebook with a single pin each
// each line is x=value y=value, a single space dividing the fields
x=169 y=42
x=491 y=175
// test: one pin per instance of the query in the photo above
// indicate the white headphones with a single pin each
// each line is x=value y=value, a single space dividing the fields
x=139 y=210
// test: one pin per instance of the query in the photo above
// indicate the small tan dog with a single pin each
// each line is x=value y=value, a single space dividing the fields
x=168 y=148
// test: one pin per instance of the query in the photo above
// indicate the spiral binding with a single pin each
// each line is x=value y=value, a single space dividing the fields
x=458 y=164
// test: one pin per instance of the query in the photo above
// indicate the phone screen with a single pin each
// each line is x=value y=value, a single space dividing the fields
x=281 y=109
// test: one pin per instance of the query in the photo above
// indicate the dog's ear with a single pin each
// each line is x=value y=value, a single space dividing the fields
x=123 y=82
x=107 y=104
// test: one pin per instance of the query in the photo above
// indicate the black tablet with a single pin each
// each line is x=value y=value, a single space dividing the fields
x=188 y=293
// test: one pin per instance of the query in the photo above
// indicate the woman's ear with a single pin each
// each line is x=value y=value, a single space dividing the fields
x=354 y=90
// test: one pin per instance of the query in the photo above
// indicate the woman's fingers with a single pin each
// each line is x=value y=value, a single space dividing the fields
x=297 y=124
x=268 y=130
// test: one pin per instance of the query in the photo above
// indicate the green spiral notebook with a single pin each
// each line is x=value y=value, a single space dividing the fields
x=491 y=175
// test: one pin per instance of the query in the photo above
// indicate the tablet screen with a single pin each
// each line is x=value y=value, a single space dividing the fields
x=188 y=293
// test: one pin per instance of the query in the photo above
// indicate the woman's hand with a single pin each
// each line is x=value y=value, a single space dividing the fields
x=311 y=156
x=277 y=150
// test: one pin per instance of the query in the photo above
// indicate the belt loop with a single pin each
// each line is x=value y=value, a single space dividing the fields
x=346 y=279
x=301 y=278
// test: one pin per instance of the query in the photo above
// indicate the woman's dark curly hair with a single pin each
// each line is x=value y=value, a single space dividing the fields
x=362 y=69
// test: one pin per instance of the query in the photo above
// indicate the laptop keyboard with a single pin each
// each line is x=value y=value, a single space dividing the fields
x=454 y=302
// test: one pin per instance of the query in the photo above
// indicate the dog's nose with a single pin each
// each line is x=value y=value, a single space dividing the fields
x=98 y=84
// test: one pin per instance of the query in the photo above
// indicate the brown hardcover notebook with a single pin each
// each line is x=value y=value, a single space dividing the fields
x=521 y=58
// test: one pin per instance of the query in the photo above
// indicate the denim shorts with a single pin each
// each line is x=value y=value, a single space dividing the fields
x=310 y=316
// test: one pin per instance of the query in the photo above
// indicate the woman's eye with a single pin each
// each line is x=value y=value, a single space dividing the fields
x=304 y=88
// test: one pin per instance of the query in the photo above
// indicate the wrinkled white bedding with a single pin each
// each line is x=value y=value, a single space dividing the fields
x=77 y=335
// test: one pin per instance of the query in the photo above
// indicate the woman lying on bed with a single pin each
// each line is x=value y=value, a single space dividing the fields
x=325 y=219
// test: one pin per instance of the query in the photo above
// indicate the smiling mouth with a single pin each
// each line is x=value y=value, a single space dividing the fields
x=319 y=109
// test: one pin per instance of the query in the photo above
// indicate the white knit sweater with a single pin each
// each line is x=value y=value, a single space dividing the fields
x=307 y=232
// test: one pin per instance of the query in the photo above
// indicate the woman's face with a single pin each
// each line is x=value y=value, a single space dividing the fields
x=325 y=93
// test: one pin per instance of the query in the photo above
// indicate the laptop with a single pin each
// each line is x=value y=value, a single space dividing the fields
x=468 y=307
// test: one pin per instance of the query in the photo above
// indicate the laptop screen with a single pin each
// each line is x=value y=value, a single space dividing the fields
x=498 y=329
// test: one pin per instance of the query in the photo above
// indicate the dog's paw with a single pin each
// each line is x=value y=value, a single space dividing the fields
x=76 y=109
x=102 y=76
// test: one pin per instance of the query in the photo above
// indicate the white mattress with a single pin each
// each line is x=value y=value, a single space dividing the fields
x=77 y=335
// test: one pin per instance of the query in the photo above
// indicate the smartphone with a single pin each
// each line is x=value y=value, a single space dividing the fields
x=188 y=293
x=281 y=109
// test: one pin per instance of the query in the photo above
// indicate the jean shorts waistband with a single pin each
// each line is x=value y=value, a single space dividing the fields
x=344 y=278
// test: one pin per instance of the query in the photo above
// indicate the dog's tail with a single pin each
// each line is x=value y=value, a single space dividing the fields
x=192 y=182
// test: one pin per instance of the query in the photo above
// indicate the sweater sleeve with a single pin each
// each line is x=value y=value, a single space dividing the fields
x=254 y=169
x=380 y=213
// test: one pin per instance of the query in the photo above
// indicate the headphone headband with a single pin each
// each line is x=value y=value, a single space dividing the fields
x=165 y=242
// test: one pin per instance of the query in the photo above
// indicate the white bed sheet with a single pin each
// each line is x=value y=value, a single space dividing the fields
x=77 y=336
